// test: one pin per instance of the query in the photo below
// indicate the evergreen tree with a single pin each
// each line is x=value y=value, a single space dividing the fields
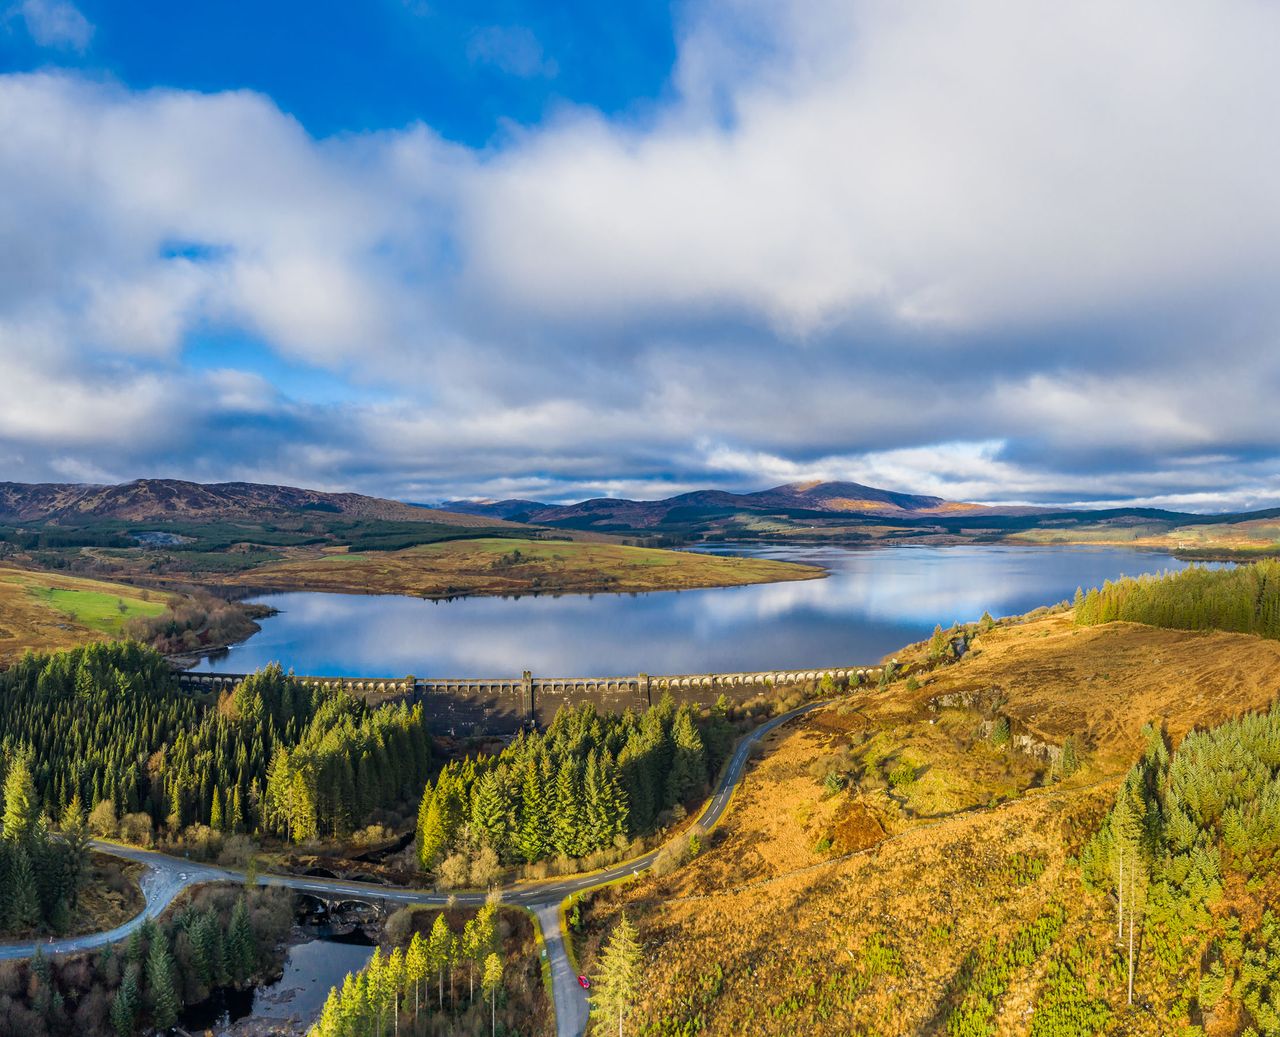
x=567 y=825
x=24 y=898
x=416 y=969
x=1069 y=762
x=439 y=945
x=215 y=811
x=436 y=829
x=20 y=802
x=235 y=822
x=241 y=952
x=164 y=997
x=125 y=1004
x=490 y=985
x=532 y=838
x=395 y=973
x=688 y=774
x=938 y=644
x=491 y=811
x=616 y=983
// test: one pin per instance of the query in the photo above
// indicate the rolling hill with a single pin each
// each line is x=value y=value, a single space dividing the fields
x=146 y=500
x=835 y=498
x=845 y=512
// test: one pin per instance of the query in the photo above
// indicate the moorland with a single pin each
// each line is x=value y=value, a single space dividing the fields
x=954 y=854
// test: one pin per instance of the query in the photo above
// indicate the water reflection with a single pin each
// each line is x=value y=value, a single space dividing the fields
x=873 y=602
x=310 y=969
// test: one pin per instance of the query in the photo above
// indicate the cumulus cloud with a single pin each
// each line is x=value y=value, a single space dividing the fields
x=1000 y=251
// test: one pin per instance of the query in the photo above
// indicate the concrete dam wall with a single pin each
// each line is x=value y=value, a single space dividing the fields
x=465 y=706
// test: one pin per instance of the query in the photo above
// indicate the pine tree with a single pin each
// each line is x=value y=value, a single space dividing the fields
x=938 y=644
x=330 y=1022
x=376 y=986
x=688 y=773
x=24 y=899
x=164 y=998
x=240 y=944
x=75 y=839
x=235 y=822
x=617 y=980
x=491 y=813
x=438 y=946
x=469 y=948
x=1069 y=762
x=490 y=985
x=124 y=1006
x=567 y=827
x=532 y=836
x=438 y=827
x=20 y=803
x=303 y=820
x=215 y=811
x=416 y=968
x=395 y=970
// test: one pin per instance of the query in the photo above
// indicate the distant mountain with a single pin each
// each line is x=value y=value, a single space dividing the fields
x=845 y=499
x=149 y=500
x=514 y=509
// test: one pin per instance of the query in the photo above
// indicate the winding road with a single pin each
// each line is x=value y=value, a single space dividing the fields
x=166 y=877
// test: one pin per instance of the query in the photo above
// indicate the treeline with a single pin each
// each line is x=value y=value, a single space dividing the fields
x=198 y=622
x=409 y=984
x=1244 y=599
x=221 y=937
x=107 y=724
x=591 y=782
x=1186 y=826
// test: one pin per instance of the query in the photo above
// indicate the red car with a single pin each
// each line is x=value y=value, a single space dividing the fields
x=584 y=983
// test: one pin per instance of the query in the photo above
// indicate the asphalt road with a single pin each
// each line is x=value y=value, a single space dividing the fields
x=167 y=876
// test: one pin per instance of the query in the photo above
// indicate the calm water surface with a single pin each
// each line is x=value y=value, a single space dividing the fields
x=874 y=601
x=310 y=969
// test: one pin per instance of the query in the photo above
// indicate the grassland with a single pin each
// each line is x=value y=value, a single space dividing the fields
x=886 y=858
x=40 y=610
x=504 y=566
x=1250 y=538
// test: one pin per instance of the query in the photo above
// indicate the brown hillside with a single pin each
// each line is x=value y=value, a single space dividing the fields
x=853 y=910
x=146 y=500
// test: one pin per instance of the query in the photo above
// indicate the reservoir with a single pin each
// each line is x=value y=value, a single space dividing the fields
x=874 y=602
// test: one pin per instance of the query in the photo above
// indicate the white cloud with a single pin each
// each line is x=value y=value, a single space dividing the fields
x=1004 y=250
x=57 y=23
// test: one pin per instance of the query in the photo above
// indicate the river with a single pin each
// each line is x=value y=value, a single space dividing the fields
x=311 y=968
x=874 y=601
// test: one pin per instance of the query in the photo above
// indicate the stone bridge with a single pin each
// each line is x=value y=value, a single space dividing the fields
x=341 y=908
x=500 y=705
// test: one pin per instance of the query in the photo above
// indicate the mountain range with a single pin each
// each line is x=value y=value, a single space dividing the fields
x=147 y=500
x=847 y=499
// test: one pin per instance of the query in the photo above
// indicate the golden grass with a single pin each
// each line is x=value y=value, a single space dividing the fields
x=501 y=566
x=1253 y=536
x=803 y=883
x=43 y=611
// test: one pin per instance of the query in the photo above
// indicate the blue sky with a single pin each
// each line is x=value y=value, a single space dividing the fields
x=465 y=69
x=1010 y=251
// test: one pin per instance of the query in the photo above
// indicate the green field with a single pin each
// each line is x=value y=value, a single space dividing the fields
x=96 y=610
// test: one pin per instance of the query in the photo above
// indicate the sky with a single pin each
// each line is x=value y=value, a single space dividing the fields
x=1005 y=251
